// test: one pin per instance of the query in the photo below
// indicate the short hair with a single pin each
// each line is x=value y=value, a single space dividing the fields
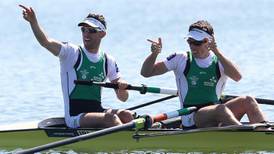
x=202 y=25
x=99 y=17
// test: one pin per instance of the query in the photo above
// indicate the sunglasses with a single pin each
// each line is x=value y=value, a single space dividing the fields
x=88 y=30
x=194 y=42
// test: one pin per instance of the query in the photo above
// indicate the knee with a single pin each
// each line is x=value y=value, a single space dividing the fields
x=126 y=116
x=125 y=113
x=111 y=119
x=222 y=110
x=250 y=101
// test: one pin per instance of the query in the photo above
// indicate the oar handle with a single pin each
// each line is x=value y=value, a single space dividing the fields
x=142 y=89
x=102 y=84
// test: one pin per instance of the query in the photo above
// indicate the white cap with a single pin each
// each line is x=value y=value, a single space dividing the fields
x=93 y=23
x=198 y=34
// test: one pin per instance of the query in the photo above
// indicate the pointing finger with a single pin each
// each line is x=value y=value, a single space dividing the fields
x=149 y=40
x=23 y=7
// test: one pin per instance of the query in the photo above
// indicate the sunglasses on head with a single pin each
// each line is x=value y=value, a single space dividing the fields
x=195 y=42
x=88 y=30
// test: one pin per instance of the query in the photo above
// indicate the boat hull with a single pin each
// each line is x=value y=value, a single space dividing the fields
x=153 y=140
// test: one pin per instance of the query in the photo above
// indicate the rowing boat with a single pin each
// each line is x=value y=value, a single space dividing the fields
x=245 y=138
x=53 y=133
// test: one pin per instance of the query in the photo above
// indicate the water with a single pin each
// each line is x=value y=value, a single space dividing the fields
x=30 y=82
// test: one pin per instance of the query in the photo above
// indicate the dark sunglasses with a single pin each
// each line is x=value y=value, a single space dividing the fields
x=88 y=30
x=194 y=42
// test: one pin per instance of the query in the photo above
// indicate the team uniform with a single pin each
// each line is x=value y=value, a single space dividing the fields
x=78 y=64
x=200 y=82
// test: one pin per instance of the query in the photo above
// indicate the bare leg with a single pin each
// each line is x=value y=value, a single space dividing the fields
x=215 y=115
x=246 y=105
x=99 y=120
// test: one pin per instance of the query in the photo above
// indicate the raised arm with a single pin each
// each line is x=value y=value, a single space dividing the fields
x=150 y=68
x=230 y=69
x=52 y=45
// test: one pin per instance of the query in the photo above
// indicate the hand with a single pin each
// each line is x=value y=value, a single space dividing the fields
x=28 y=14
x=122 y=93
x=122 y=85
x=156 y=47
x=213 y=45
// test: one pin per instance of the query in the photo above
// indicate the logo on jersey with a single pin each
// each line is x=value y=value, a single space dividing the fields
x=99 y=78
x=211 y=82
x=171 y=56
x=92 y=67
x=193 y=80
x=202 y=73
x=116 y=67
x=84 y=74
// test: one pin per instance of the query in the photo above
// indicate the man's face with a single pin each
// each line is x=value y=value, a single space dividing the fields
x=199 y=49
x=91 y=35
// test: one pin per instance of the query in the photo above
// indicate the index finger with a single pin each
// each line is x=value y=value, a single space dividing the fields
x=23 y=7
x=149 y=40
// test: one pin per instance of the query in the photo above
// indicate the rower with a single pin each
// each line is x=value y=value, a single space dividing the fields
x=201 y=75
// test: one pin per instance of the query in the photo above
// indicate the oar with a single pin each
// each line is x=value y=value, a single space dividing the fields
x=259 y=100
x=152 y=102
x=224 y=98
x=139 y=123
x=142 y=89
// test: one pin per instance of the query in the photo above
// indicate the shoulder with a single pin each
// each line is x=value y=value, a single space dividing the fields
x=111 y=62
x=176 y=61
x=109 y=57
x=69 y=52
x=112 y=67
x=69 y=46
x=171 y=56
x=177 y=56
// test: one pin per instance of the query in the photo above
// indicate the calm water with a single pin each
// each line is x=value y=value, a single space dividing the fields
x=30 y=83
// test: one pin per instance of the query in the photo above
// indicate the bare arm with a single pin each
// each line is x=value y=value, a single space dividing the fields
x=52 y=45
x=230 y=69
x=150 y=68
x=121 y=93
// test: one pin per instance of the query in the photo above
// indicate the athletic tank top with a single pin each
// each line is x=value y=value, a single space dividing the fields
x=87 y=70
x=201 y=82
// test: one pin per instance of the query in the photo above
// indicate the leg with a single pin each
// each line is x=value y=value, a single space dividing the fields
x=246 y=105
x=99 y=120
x=215 y=115
x=124 y=115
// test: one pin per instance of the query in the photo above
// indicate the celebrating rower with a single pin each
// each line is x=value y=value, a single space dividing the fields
x=85 y=62
x=201 y=75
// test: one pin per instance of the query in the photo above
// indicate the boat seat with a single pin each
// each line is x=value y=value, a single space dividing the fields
x=52 y=122
x=172 y=123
